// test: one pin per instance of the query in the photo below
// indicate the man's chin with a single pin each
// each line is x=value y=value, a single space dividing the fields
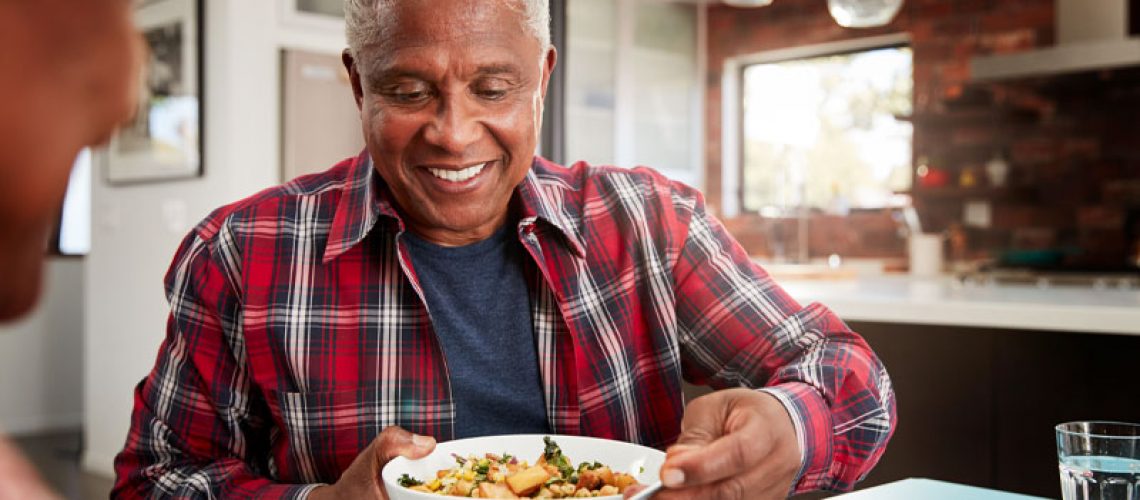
x=20 y=280
x=17 y=299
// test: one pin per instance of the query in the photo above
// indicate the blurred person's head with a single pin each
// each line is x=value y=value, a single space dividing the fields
x=68 y=77
x=451 y=95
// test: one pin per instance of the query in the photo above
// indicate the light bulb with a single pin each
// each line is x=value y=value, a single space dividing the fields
x=748 y=3
x=863 y=13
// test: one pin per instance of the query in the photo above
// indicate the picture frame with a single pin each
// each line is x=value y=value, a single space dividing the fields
x=323 y=15
x=164 y=140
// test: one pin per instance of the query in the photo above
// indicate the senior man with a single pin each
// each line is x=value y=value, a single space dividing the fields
x=449 y=283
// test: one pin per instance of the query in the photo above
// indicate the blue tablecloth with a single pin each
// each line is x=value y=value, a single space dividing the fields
x=929 y=489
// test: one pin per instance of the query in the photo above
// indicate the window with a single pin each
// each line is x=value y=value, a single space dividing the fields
x=826 y=131
x=74 y=233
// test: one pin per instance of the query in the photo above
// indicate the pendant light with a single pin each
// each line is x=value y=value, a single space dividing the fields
x=863 y=13
x=748 y=3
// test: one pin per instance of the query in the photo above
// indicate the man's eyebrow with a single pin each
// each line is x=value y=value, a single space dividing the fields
x=497 y=69
x=398 y=73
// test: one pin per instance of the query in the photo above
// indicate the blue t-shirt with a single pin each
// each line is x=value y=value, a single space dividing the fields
x=480 y=309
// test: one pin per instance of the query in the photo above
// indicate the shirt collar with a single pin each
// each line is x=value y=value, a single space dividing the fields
x=545 y=196
x=549 y=195
x=362 y=203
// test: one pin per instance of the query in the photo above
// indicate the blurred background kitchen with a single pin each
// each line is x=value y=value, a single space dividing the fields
x=958 y=179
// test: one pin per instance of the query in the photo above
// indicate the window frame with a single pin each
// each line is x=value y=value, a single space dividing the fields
x=732 y=103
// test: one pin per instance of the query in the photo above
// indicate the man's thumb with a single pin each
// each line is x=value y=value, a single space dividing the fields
x=395 y=441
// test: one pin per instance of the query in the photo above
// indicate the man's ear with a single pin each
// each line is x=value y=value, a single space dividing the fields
x=353 y=77
x=548 y=68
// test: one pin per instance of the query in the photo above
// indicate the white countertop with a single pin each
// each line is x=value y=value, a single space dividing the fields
x=945 y=301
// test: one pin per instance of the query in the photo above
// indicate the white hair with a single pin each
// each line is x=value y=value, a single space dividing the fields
x=363 y=27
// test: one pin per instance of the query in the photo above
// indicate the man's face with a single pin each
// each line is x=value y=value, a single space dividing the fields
x=68 y=76
x=451 y=103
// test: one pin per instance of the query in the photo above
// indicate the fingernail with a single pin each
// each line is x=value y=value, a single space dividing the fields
x=673 y=478
x=681 y=448
x=422 y=441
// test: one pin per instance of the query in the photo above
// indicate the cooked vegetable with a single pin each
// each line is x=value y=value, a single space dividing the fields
x=409 y=481
x=504 y=476
x=528 y=481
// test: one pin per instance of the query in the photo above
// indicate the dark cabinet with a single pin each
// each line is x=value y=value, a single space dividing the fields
x=978 y=406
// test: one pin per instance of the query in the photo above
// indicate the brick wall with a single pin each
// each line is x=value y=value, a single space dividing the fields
x=1072 y=142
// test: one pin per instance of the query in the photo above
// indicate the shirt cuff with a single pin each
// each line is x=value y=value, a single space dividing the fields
x=811 y=418
x=297 y=491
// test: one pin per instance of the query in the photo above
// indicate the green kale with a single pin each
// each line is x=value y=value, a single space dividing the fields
x=482 y=467
x=552 y=450
x=409 y=481
x=553 y=455
x=589 y=466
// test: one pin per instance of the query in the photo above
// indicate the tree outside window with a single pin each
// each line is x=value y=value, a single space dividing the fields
x=827 y=132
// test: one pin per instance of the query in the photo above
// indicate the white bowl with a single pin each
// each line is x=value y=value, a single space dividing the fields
x=641 y=462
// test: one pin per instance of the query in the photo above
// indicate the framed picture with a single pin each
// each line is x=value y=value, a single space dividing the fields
x=326 y=15
x=164 y=141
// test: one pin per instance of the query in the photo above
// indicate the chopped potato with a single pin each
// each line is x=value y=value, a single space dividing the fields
x=608 y=490
x=495 y=490
x=528 y=481
x=596 y=478
x=462 y=488
x=623 y=481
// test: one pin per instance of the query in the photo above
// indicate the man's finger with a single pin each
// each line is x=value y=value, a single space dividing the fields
x=632 y=490
x=753 y=484
x=703 y=422
x=396 y=442
x=730 y=455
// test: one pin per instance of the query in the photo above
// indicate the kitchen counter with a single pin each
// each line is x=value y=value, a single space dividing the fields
x=900 y=298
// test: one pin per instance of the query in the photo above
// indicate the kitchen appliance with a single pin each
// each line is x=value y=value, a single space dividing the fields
x=1091 y=35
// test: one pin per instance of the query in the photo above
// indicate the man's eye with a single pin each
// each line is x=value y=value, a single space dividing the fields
x=491 y=89
x=409 y=97
x=406 y=93
x=491 y=94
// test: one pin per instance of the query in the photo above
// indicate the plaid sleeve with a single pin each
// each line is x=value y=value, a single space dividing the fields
x=197 y=431
x=738 y=328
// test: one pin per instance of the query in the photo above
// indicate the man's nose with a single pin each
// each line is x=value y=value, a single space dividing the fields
x=455 y=125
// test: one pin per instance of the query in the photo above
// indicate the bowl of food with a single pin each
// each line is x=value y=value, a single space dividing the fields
x=524 y=466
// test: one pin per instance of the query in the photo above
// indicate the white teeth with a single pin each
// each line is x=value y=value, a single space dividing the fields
x=458 y=175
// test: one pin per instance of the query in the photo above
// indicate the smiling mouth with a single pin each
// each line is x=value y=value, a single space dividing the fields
x=461 y=175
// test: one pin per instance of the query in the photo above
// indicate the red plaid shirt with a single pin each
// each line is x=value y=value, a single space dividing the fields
x=298 y=331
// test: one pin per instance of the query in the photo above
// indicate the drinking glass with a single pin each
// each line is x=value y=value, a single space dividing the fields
x=1099 y=460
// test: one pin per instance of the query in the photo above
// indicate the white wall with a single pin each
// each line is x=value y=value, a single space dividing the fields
x=41 y=356
x=138 y=228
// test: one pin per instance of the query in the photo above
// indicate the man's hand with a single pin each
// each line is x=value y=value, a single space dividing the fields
x=734 y=444
x=362 y=479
